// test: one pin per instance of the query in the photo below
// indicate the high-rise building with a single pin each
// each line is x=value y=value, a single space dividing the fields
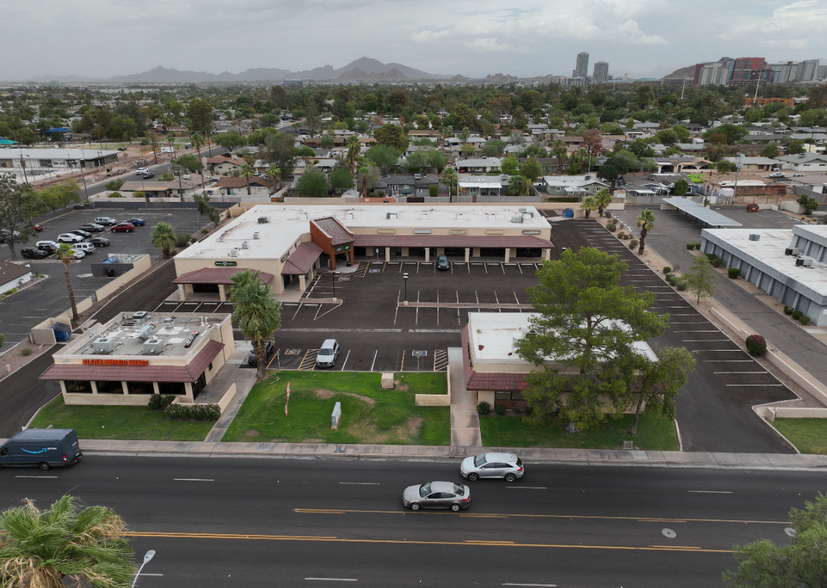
x=808 y=71
x=786 y=72
x=581 y=70
x=749 y=70
x=601 y=72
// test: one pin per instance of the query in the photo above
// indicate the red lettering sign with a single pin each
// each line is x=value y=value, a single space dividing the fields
x=118 y=362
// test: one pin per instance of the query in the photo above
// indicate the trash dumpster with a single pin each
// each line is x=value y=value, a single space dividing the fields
x=568 y=213
x=62 y=331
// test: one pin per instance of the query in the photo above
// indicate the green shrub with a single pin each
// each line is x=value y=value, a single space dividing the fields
x=12 y=291
x=612 y=227
x=667 y=269
x=205 y=230
x=621 y=235
x=733 y=272
x=516 y=410
x=756 y=345
x=698 y=246
x=563 y=198
x=529 y=410
x=193 y=412
x=116 y=195
x=690 y=246
x=433 y=190
x=797 y=314
x=608 y=214
x=804 y=320
x=681 y=285
x=671 y=278
x=633 y=243
x=711 y=256
x=183 y=239
x=788 y=310
x=26 y=351
x=483 y=408
x=160 y=402
x=500 y=410
x=717 y=262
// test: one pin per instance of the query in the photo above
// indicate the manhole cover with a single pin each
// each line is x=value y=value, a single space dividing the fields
x=292 y=351
x=669 y=533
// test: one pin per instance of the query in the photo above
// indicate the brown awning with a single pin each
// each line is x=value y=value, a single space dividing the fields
x=301 y=260
x=216 y=275
x=149 y=373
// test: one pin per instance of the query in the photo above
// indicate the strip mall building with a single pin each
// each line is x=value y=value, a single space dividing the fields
x=288 y=242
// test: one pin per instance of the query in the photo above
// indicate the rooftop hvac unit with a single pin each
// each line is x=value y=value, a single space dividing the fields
x=788 y=251
x=145 y=332
x=255 y=236
x=234 y=252
x=528 y=215
x=796 y=251
x=390 y=216
x=169 y=320
x=244 y=245
x=517 y=219
x=808 y=261
x=262 y=220
x=754 y=237
x=799 y=261
x=154 y=346
x=522 y=209
x=103 y=345
x=140 y=316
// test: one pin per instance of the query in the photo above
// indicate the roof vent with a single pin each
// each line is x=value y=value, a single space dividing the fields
x=169 y=320
x=263 y=220
x=391 y=216
x=234 y=252
x=754 y=237
x=103 y=345
x=255 y=235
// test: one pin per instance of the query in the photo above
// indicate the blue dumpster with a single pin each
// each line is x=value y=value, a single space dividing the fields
x=568 y=213
x=62 y=331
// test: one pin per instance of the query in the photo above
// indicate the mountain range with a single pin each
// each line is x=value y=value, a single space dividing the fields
x=363 y=69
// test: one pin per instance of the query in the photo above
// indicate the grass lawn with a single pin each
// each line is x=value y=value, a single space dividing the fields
x=369 y=415
x=808 y=435
x=653 y=433
x=119 y=422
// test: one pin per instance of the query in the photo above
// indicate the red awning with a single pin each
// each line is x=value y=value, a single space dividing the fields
x=301 y=260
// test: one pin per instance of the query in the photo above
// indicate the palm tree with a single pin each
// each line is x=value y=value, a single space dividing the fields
x=197 y=143
x=274 y=173
x=247 y=171
x=38 y=549
x=450 y=179
x=646 y=222
x=558 y=148
x=66 y=254
x=354 y=147
x=163 y=238
x=603 y=198
x=589 y=203
x=255 y=310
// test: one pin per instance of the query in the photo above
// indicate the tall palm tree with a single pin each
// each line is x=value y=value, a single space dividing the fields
x=197 y=143
x=66 y=254
x=646 y=222
x=255 y=310
x=603 y=198
x=247 y=171
x=38 y=549
x=558 y=148
x=163 y=238
x=274 y=173
x=588 y=205
x=450 y=179
x=354 y=147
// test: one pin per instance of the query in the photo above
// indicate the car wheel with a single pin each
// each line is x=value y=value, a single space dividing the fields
x=43 y=465
x=510 y=477
x=473 y=477
x=455 y=507
x=415 y=506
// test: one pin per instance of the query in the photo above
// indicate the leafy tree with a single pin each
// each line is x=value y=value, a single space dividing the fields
x=18 y=207
x=256 y=312
x=200 y=116
x=808 y=203
x=312 y=183
x=531 y=169
x=392 y=136
x=436 y=159
x=583 y=335
x=560 y=151
x=66 y=193
x=433 y=192
x=66 y=254
x=113 y=185
x=588 y=204
x=612 y=169
x=450 y=179
x=510 y=165
x=725 y=166
x=274 y=173
x=681 y=187
x=204 y=208
x=279 y=148
x=493 y=148
x=468 y=150
x=733 y=133
x=327 y=141
x=519 y=185
x=796 y=147
x=640 y=148
x=646 y=222
x=341 y=180
x=163 y=238
x=701 y=278
x=230 y=140
x=801 y=563
x=602 y=199
x=384 y=157
x=770 y=151
x=660 y=381
x=38 y=549
x=416 y=162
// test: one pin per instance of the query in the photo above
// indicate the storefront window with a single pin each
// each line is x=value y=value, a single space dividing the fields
x=109 y=387
x=78 y=387
x=140 y=387
x=174 y=388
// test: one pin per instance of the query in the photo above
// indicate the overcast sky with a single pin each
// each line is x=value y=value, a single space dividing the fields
x=102 y=38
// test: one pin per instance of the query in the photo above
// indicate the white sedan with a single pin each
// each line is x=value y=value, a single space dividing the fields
x=69 y=238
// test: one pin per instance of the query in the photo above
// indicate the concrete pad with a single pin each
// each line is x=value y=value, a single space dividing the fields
x=801 y=460
x=681 y=458
x=387 y=381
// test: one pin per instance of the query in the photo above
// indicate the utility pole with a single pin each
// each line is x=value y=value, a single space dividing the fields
x=23 y=165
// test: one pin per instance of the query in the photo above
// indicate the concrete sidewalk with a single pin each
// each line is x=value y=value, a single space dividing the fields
x=585 y=457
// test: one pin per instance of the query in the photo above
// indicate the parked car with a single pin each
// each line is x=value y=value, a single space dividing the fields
x=138 y=222
x=92 y=227
x=87 y=248
x=69 y=238
x=492 y=465
x=123 y=228
x=37 y=228
x=81 y=232
x=777 y=175
x=147 y=175
x=268 y=351
x=328 y=353
x=49 y=246
x=4 y=235
x=31 y=253
x=437 y=495
x=106 y=221
x=78 y=254
x=442 y=263
x=100 y=241
x=141 y=171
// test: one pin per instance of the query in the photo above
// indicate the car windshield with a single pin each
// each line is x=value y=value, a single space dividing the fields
x=425 y=489
x=459 y=490
x=480 y=460
x=326 y=351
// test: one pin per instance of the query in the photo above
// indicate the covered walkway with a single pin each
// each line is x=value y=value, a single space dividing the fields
x=699 y=212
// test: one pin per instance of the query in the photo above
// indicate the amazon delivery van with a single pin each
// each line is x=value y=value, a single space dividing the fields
x=44 y=448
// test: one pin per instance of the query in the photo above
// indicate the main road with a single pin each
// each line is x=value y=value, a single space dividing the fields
x=274 y=522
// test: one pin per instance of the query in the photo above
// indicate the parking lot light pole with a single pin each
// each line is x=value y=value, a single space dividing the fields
x=405 y=280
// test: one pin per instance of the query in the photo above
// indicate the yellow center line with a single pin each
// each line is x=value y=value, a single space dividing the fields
x=538 y=516
x=470 y=543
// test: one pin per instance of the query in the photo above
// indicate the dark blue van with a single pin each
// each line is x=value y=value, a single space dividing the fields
x=44 y=448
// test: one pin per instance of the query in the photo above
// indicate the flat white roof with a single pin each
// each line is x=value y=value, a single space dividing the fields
x=84 y=154
x=287 y=223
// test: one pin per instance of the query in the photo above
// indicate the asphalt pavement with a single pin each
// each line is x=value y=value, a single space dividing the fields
x=22 y=394
x=246 y=522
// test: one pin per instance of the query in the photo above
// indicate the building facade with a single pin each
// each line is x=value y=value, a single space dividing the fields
x=581 y=69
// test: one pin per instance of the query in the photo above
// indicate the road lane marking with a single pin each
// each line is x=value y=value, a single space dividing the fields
x=755 y=385
x=193 y=480
x=322 y=539
x=538 y=516
x=710 y=491
x=333 y=579
x=361 y=483
x=528 y=487
x=38 y=477
x=146 y=574
x=720 y=373
x=543 y=585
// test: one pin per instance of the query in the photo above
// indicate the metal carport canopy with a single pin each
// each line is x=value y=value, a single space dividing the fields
x=701 y=212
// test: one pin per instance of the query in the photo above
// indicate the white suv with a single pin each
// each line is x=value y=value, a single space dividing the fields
x=106 y=221
x=328 y=353
x=69 y=238
x=87 y=248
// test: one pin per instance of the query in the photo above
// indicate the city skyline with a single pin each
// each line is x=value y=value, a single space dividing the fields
x=90 y=38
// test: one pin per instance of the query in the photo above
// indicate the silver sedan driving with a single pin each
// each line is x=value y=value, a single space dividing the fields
x=437 y=495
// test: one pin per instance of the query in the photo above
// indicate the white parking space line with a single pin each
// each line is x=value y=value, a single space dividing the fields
x=755 y=385
x=709 y=491
x=360 y=483
x=193 y=480
x=373 y=363
x=344 y=363
x=38 y=477
x=516 y=584
x=146 y=574
x=728 y=361
x=332 y=579
x=721 y=373
x=528 y=487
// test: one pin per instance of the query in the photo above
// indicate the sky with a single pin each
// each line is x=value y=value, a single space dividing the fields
x=642 y=38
